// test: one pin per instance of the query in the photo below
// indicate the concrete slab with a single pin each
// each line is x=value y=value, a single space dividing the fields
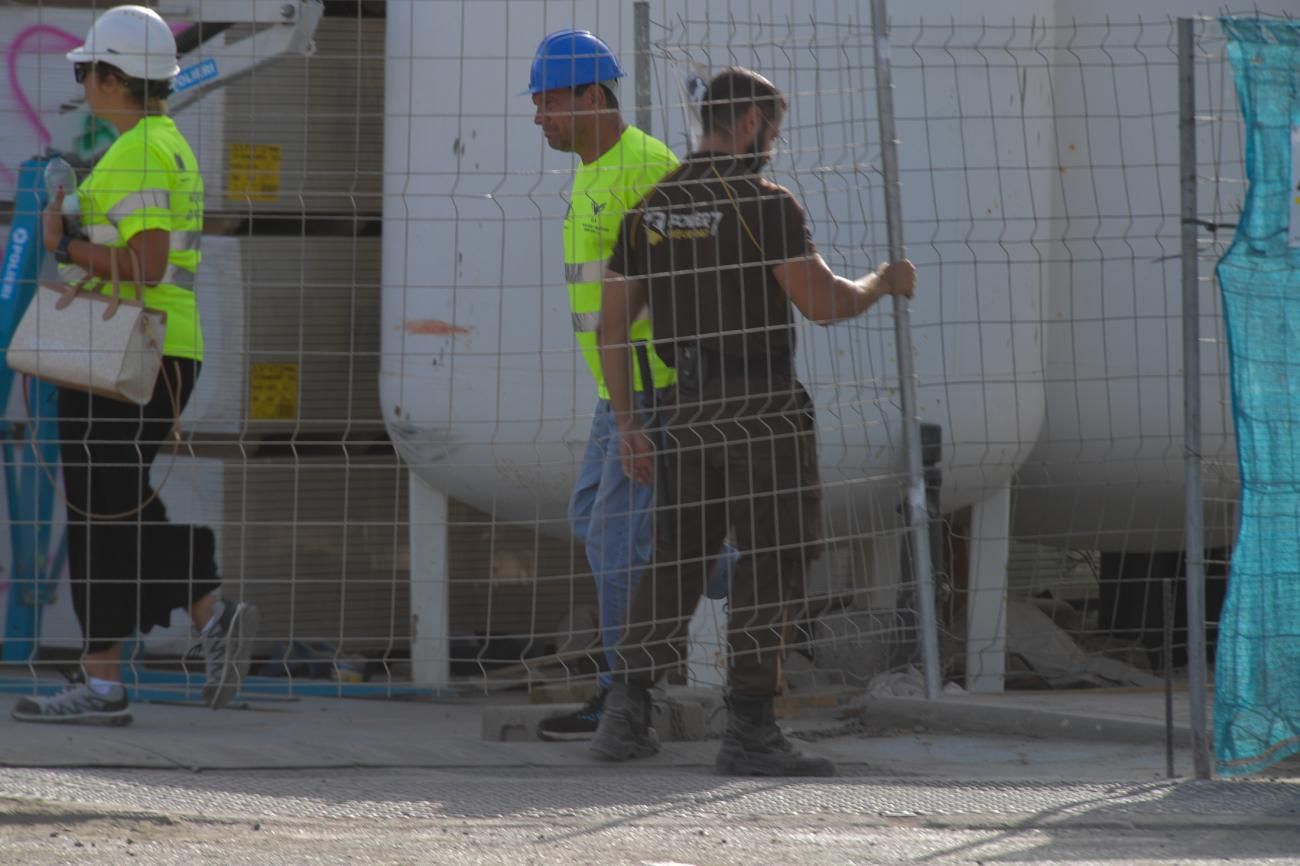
x=569 y=692
x=680 y=715
x=1129 y=716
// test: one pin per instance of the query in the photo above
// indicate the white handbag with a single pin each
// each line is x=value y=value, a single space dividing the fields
x=91 y=342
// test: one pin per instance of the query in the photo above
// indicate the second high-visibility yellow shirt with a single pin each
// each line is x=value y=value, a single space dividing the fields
x=602 y=192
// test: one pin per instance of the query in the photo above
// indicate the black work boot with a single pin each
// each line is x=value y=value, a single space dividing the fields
x=754 y=746
x=624 y=731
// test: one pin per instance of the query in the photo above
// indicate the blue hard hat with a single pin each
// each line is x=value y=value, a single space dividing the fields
x=572 y=58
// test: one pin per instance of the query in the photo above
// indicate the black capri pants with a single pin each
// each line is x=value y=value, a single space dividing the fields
x=128 y=573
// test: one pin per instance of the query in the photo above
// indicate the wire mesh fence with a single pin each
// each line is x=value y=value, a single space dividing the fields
x=386 y=324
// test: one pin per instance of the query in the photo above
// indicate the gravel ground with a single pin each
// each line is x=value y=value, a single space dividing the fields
x=621 y=815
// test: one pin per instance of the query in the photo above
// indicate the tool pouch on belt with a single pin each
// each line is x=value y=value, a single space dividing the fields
x=693 y=368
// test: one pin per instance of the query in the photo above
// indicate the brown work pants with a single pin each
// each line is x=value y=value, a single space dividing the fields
x=747 y=467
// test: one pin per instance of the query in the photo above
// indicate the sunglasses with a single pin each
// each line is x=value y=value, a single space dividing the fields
x=81 y=70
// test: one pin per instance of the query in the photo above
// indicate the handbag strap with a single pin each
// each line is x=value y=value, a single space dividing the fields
x=113 y=267
x=71 y=290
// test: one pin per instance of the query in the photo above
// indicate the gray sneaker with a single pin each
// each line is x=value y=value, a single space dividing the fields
x=227 y=648
x=624 y=731
x=78 y=704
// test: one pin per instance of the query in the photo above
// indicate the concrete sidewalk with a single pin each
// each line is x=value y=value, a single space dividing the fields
x=1072 y=735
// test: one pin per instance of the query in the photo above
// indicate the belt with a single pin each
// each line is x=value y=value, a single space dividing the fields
x=697 y=365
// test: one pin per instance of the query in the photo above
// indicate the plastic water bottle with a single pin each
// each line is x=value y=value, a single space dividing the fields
x=58 y=173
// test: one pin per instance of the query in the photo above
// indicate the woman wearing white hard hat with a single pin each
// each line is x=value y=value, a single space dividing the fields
x=142 y=211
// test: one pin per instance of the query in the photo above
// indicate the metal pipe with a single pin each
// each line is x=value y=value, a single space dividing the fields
x=917 y=514
x=641 y=41
x=1193 y=529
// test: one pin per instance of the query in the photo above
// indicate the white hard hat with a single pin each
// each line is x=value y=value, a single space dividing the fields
x=134 y=39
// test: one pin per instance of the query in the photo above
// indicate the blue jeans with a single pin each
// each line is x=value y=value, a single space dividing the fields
x=612 y=516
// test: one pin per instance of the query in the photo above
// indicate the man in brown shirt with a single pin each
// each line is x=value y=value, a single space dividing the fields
x=719 y=255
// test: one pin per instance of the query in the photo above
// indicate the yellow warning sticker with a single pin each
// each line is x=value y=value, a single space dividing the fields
x=273 y=392
x=254 y=173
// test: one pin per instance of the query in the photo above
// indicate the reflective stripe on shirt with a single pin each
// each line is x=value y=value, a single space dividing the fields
x=107 y=236
x=159 y=199
x=178 y=276
x=183 y=242
x=587 y=323
x=585 y=272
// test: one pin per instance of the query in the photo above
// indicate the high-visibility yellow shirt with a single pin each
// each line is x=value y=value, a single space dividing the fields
x=149 y=179
x=602 y=192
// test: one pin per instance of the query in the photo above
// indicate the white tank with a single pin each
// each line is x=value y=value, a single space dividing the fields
x=1108 y=470
x=1032 y=357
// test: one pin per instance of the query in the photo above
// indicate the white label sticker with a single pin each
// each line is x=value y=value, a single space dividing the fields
x=1294 y=237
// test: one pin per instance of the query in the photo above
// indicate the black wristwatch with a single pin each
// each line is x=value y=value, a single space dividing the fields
x=61 y=251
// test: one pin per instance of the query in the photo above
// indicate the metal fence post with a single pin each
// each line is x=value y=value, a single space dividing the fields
x=641 y=43
x=1193 y=517
x=918 y=518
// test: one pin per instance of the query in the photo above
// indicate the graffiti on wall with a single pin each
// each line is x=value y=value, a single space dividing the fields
x=40 y=103
x=39 y=99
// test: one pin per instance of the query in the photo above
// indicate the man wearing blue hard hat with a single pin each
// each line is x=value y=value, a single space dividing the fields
x=574 y=83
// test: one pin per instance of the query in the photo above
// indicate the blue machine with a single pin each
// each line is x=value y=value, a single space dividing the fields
x=28 y=442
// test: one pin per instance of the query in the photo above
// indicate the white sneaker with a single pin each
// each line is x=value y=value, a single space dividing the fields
x=227 y=648
x=78 y=704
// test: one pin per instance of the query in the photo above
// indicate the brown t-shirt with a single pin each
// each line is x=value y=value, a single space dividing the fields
x=705 y=240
